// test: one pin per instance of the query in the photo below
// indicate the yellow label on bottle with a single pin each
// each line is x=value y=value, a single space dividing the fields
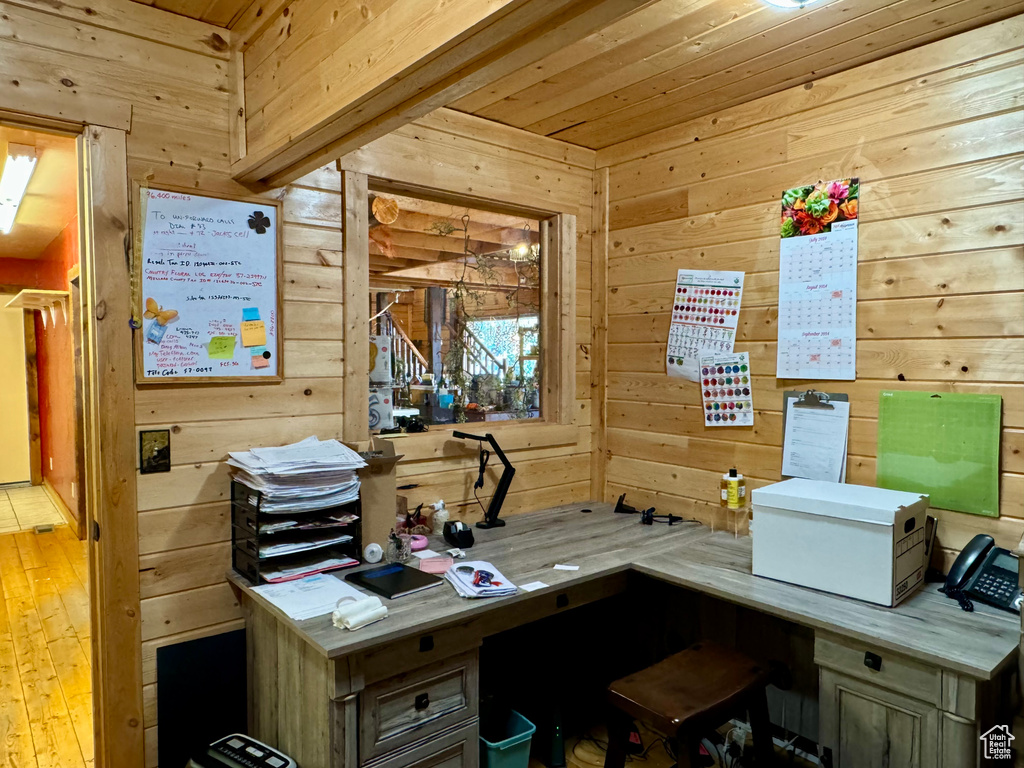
x=733 y=499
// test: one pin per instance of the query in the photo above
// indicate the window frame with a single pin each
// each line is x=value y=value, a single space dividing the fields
x=557 y=311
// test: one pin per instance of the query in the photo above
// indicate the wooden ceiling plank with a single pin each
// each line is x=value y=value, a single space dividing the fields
x=713 y=24
x=632 y=122
x=254 y=19
x=721 y=52
x=635 y=25
x=952 y=53
x=873 y=54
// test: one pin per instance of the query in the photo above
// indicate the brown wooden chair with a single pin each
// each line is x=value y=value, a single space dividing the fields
x=689 y=694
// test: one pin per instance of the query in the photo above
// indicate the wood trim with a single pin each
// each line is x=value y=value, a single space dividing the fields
x=558 y=342
x=110 y=441
x=58 y=502
x=35 y=455
x=355 y=239
x=599 y=340
x=236 y=116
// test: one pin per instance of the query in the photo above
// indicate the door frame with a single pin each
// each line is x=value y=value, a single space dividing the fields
x=35 y=456
x=109 y=383
x=109 y=481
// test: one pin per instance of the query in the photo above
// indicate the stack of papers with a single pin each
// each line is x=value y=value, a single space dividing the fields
x=275 y=547
x=311 y=474
x=309 y=597
x=478 y=578
x=307 y=566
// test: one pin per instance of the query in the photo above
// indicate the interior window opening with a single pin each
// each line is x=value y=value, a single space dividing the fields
x=455 y=307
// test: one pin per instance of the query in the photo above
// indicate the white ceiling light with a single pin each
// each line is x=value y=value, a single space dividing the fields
x=790 y=3
x=18 y=168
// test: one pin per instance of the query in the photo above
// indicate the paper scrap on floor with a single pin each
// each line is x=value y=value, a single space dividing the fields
x=306 y=598
x=814 y=446
x=477 y=578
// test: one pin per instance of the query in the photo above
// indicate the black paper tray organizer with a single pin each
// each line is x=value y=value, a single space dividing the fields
x=251 y=555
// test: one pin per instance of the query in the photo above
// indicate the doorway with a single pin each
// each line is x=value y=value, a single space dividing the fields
x=45 y=607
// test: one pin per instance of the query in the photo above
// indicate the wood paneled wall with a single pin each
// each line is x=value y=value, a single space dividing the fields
x=936 y=136
x=170 y=77
x=467 y=156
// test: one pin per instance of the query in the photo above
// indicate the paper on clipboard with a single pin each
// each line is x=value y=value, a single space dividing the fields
x=814 y=443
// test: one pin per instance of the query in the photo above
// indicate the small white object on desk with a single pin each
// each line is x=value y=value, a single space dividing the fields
x=533 y=586
x=354 y=613
x=423 y=554
x=561 y=567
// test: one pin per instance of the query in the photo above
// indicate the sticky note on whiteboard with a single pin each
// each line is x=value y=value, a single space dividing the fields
x=258 y=361
x=251 y=313
x=221 y=348
x=254 y=333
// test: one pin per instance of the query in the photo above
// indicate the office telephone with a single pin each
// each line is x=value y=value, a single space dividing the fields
x=986 y=573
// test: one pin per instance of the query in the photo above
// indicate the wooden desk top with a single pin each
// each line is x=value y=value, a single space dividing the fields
x=927 y=626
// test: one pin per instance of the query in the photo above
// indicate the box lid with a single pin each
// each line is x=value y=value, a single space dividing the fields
x=860 y=503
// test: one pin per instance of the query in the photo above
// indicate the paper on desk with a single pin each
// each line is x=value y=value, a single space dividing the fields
x=567 y=567
x=814 y=445
x=309 y=597
x=532 y=586
x=423 y=554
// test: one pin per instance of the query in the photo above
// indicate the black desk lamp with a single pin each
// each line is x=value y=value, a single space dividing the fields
x=494 y=508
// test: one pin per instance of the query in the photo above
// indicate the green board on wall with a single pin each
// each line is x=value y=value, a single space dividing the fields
x=945 y=445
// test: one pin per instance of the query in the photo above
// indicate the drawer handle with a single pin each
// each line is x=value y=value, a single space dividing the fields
x=872 y=661
x=422 y=701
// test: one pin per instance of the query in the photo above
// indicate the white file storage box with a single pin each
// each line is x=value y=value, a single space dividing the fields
x=852 y=540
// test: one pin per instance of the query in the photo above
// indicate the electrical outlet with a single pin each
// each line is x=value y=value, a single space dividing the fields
x=51 y=463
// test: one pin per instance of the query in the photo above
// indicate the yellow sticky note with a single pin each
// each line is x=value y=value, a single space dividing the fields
x=254 y=333
x=221 y=348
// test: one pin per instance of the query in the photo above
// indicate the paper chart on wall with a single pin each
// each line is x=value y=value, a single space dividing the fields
x=208 y=288
x=727 y=390
x=818 y=281
x=705 y=312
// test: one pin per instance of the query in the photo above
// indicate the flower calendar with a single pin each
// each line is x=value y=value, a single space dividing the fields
x=818 y=281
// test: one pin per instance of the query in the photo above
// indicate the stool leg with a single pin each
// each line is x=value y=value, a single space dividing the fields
x=618 y=737
x=688 y=744
x=761 y=730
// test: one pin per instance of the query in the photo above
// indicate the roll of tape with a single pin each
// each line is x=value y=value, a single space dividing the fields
x=373 y=553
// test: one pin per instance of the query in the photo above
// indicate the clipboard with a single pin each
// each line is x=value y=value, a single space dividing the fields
x=810 y=398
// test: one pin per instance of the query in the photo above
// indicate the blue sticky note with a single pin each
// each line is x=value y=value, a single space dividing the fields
x=155 y=332
x=250 y=313
x=257 y=351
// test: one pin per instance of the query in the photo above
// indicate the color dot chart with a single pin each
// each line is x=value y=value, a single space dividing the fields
x=705 y=313
x=727 y=390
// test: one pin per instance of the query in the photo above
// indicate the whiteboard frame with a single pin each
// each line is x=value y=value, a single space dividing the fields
x=140 y=372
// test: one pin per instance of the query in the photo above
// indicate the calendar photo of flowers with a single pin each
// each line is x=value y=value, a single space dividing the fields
x=812 y=210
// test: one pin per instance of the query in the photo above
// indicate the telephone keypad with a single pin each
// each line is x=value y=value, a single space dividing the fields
x=994 y=588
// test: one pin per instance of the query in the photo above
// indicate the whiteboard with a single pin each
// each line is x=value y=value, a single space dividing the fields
x=208 y=288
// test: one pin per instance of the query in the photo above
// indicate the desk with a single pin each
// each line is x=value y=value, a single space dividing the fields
x=402 y=692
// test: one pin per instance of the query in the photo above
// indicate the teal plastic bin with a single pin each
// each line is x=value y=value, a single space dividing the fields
x=513 y=751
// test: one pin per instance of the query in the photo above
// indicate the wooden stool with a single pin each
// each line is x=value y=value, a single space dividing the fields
x=689 y=694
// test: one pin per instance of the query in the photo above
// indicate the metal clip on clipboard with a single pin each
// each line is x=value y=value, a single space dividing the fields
x=810 y=398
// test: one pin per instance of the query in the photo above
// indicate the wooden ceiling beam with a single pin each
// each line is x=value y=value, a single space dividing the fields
x=322 y=96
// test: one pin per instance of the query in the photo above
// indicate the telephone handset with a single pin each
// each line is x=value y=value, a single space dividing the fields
x=986 y=573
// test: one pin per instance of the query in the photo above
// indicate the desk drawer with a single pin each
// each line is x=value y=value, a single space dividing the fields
x=415 y=705
x=456 y=748
x=897 y=673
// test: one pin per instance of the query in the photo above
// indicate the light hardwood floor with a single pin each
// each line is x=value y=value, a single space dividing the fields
x=45 y=679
